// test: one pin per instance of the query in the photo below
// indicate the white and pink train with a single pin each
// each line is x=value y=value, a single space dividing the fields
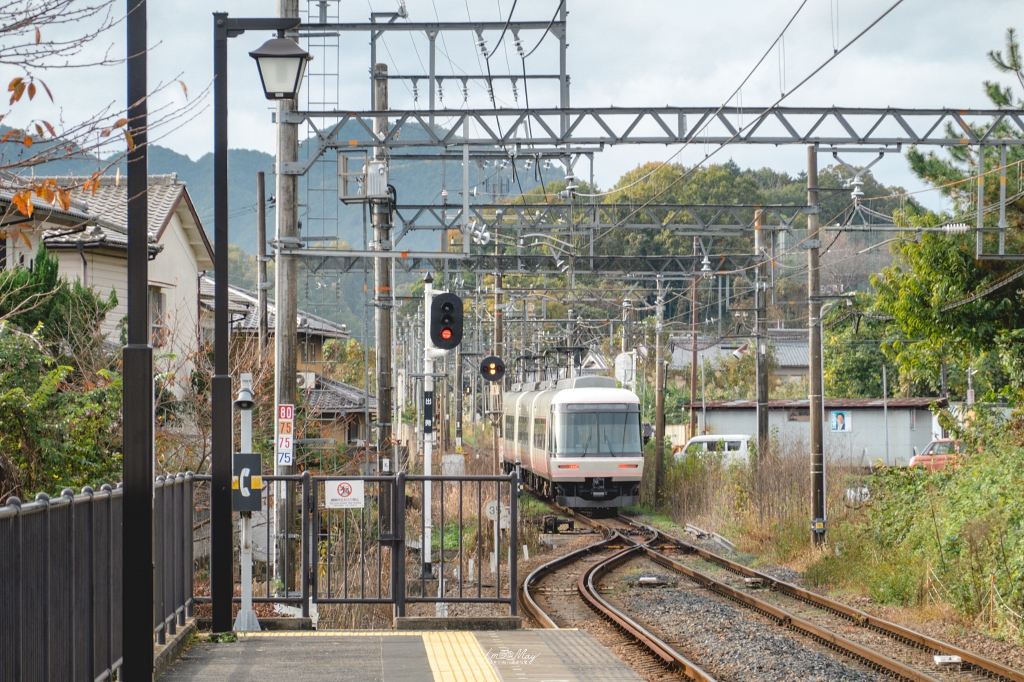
x=576 y=441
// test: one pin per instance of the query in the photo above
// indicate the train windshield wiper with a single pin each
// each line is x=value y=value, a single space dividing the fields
x=608 y=442
x=586 y=447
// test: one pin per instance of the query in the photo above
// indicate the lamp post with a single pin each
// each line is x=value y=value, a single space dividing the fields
x=281 y=71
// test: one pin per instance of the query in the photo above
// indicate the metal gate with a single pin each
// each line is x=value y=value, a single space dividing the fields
x=379 y=547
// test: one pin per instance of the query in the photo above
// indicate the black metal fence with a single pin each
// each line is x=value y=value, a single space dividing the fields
x=60 y=594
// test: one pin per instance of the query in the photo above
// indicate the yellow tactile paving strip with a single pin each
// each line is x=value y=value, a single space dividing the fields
x=453 y=656
x=457 y=656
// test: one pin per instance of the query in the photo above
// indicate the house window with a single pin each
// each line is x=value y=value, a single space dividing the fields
x=157 y=317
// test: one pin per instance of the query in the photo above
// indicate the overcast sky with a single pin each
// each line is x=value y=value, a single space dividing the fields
x=926 y=53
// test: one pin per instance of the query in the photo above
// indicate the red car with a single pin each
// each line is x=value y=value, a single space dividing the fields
x=938 y=454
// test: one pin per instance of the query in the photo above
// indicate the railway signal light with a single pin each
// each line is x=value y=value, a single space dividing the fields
x=446 y=321
x=492 y=368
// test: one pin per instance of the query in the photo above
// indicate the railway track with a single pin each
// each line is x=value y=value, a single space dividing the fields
x=554 y=593
x=880 y=644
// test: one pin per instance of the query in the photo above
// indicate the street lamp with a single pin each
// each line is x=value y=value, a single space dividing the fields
x=280 y=69
x=281 y=63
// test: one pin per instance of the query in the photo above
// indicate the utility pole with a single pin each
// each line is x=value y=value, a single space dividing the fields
x=659 y=400
x=381 y=218
x=814 y=339
x=261 y=255
x=285 y=323
x=693 y=348
x=458 y=399
x=496 y=387
x=760 y=336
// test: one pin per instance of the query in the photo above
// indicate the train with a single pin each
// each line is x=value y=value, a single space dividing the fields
x=577 y=441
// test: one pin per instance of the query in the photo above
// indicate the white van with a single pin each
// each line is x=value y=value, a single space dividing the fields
x=734 y=448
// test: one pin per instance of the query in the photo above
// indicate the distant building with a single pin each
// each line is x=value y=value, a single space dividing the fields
x=789 y=348
x=855 y=429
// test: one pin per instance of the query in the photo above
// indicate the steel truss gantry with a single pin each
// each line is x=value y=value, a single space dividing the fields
x=689 y=219
x=681 y=267
x=517 y=130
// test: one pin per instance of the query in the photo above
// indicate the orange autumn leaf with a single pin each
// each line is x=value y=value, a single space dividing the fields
x=23 y=202
x=31 y=90
x=131 y=141
x=28 y=141
x=39 y=36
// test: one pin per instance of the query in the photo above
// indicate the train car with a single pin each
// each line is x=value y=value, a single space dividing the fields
x=576 y=441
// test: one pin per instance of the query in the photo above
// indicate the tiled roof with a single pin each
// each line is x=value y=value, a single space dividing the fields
x=110 y=202
x=789 y=353
x=331 y=397
x=243 y=302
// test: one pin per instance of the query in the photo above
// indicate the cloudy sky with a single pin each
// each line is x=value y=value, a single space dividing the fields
x=926 y=53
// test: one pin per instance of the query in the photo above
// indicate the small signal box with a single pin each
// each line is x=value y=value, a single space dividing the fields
x=492 y=368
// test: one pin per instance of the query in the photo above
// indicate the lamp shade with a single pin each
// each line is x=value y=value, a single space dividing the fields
x=281 y=63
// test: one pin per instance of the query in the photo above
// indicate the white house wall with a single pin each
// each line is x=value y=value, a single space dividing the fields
x=863 y=446
x=176 y=271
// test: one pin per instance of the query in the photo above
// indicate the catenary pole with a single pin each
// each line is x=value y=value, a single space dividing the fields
x=137 y=553
x=760 y=334
x=381 y=218
x=261 y=254
x=693 y=349
x=659 y=398
x=814 y=339
x=285 y=322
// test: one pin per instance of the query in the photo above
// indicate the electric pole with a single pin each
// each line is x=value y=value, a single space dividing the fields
x=285 y=327
x=381 y=218
x=814 y=355
x=659 y=400
x=760 y=336
x=261 y=255
x=693 y=348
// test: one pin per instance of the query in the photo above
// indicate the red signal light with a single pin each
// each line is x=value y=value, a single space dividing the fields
x=446 y=333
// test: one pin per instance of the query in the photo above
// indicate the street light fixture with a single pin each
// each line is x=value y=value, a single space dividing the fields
x=281 y=63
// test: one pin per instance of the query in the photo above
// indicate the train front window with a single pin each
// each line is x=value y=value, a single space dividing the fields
x=598 y=434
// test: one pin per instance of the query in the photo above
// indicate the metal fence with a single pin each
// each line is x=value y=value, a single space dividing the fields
x=60 y=596
x=357 y=555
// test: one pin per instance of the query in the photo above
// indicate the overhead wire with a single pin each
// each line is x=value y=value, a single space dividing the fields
x=673 y=183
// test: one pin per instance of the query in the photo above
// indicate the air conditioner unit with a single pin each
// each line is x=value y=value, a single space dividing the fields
x=305 y=380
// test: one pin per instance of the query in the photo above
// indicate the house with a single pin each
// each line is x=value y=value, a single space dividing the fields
x=858 y=432
x=789 y=349
x=339 y=409
x=90 y=240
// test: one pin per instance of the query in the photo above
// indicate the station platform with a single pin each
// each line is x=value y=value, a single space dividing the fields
x=403 y=656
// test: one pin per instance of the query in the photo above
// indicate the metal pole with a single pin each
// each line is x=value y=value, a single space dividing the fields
x=814 y=340
x=285 y=323
x=760 y=336
x=246 y=620
x=703 y=404
x=428 y=424
x=693 y=350
x=496 y=421
x=137 y=401
x=459 y=393
x=221 y=551
x=885 y=411
x=432 y=37
x=980 y=246
x=381 y=218
x=659 y=399
x=1002 y=200
x=261 y=254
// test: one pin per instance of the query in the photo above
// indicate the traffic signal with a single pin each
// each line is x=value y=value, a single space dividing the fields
x=446 y=321
x=492 y=368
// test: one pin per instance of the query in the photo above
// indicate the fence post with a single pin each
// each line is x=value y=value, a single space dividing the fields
x=305 y=527
x=398 y=548
x=159 y=565
x=513 y=545
x=189 y=546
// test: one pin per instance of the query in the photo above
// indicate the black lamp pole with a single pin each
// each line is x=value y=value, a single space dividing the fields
x=221 y=578
x=137 y=397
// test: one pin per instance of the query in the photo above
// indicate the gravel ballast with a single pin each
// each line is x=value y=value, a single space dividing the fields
x=733 y=644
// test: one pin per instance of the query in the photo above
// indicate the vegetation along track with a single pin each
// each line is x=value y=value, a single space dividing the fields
x=882 y=645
